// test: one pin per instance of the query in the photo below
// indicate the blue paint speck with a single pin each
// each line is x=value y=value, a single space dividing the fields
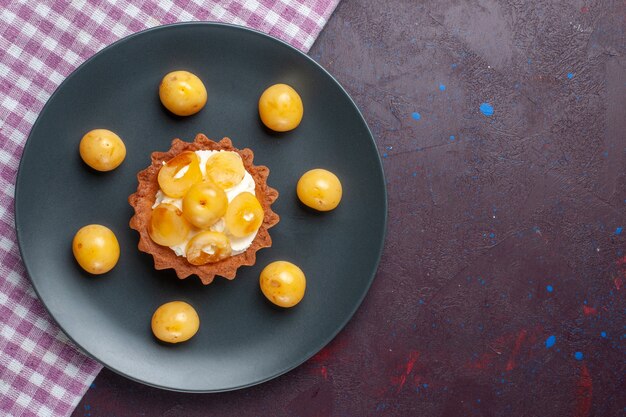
x=421 y=301
x=578 y=356
x=486 y=109
x=530 y=61
x=453 y=66
x=452 y=138
x=425 y=385
x=618 y=231
x=570 y=75
x=442 y=87
x=416 y=116
x=385 y=155
x=414 y=174
x=478 y=400
x=550 y=341
x=603 y=335
x=549 y=288
x=492 y=235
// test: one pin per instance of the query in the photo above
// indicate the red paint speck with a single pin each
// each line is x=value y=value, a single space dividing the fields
x=498 y=357
x=411 y=362
x=589 y=311
x=621 y=261
x=618 y=283
x=408 y=368
x=584 y=9
x=584 y=391
x=510 y=365
x=319 y=370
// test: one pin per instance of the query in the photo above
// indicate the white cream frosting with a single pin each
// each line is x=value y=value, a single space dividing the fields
x=238 y=244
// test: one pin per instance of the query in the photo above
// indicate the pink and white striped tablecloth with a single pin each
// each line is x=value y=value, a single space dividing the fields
x=41 y=43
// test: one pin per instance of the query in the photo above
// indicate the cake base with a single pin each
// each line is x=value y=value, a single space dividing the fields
x=143 y=200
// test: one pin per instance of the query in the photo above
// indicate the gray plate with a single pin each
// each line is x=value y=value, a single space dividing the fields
x=243 y=339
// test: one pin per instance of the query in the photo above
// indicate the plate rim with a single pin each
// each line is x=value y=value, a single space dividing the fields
x=254 y=32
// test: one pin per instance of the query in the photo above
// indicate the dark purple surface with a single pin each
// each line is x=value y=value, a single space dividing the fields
x=505 y=231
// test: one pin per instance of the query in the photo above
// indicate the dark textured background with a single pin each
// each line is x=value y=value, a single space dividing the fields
x=504 y=230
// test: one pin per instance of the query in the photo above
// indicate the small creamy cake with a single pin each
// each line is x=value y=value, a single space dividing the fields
x=203 y=208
